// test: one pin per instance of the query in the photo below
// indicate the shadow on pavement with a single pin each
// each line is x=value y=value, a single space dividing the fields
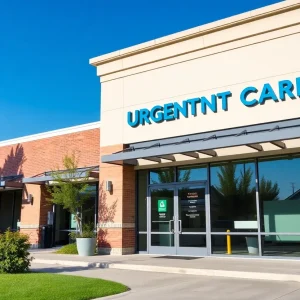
x=58 y=269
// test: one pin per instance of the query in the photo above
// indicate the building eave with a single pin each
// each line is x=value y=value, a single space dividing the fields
x=220 y=25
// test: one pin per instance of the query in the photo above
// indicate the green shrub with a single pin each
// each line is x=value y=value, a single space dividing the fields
x=68 y=249
x=14 y=255
x=87 y=232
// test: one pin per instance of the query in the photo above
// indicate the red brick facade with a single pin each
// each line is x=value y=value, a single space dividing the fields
x=116 y=215
x=117 y=222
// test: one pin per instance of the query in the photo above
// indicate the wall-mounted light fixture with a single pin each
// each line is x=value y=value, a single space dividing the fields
x=108 y=186
x=30 y=198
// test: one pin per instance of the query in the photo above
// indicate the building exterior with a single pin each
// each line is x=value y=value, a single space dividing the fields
x=24 y=167
x=199 y=152
x=200 y=139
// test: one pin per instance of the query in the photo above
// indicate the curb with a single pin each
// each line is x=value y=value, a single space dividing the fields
x=174 y=270
x=114 y=296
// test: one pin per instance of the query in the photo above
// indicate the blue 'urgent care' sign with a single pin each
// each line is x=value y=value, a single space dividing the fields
x=249 y=96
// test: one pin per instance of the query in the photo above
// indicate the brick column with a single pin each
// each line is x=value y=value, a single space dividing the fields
x=116 y=215
x=35 y=214
x=30 y=214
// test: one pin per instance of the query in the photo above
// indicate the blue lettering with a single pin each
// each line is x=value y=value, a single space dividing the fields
x=245 y=93
x=224 y=96
x=144 y=116
x=193 y=102
x=267 y=94
x=298 y=86
x=212 y=105
x=182 y=109
x=136 y=121
x=168 y=112
x=156 y=114
x=286 y=87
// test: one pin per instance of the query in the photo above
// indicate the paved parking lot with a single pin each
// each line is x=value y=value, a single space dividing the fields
x=158 y=286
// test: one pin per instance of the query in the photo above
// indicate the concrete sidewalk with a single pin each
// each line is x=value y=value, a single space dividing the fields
x=252 y=268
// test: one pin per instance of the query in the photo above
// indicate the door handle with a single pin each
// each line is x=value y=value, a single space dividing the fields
x=180 y=226
x=170 y=226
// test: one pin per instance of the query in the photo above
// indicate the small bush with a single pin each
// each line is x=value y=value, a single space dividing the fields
x=87 y=232
x=14 y=255
x=68 y=249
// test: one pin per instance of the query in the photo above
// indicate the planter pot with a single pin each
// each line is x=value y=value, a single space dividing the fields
x=86 y=246
x=252 y=244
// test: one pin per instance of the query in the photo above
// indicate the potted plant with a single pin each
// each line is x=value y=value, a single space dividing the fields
x=85 y=241
x=70 y=190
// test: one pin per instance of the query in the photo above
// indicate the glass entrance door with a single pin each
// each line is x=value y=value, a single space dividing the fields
x=191 y=216
x=178 y=220
x=162 y=233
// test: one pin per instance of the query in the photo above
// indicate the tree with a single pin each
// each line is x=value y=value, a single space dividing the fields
x=238 y=193
x=168 y=175
x=68 y=190
x=268 y=191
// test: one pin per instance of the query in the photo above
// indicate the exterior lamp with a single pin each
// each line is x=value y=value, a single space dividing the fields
x=30 y=198
x=108 y=186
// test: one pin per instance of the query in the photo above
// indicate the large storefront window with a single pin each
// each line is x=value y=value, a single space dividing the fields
x=65 y=222
x=279 y=194
x=191 y=173
x=165 y=175
x=10 y=209
x=254 y=207
x=233 y=197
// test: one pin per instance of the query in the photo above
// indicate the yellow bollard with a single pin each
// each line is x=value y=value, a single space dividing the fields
x=228 y=243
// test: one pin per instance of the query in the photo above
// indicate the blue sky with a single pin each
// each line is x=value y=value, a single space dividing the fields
x=46 y=81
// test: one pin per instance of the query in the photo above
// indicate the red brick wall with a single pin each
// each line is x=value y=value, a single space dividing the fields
x=119 y=204
x=35 y=157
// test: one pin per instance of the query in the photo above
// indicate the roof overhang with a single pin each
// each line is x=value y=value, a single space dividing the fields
x=11 y=182
x=210 y=144
x=92 y=173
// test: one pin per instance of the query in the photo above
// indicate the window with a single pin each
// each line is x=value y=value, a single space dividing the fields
x=279 y=194
x=233 y=197
x=165 y=175
x=191 y=173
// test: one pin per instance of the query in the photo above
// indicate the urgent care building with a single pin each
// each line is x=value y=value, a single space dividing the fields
x=199 y=149
x=200 y=139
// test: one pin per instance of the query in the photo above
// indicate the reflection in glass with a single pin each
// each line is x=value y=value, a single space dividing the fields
x=162 y=210
x=281 y=245
x=240 y=245
x=233 y=197
x=10 y=209
x=142 y=200
x=192 y=240
x=191 y=173
x=162 y=240
x=279 y=194
x=191 y=207
x=88 y=209
x=142 y=245
x=164 y=175
x=65 y=222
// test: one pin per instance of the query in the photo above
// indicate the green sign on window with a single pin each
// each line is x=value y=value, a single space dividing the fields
x=162 y=205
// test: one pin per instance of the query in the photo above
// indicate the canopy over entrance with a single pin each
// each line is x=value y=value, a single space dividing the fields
x=47 y=177
x=242 y=140
x=11 y=182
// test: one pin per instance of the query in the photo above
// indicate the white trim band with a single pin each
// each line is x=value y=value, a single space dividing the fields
x=49 y=134
x=116 y=225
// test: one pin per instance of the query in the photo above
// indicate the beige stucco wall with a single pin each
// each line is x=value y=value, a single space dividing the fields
x=235 y=56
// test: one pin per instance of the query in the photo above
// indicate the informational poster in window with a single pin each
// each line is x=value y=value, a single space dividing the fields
x=192 y=202
x=162 y=206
